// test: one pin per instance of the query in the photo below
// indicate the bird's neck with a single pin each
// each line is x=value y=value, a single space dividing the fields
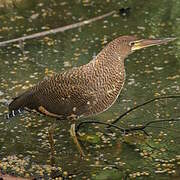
x=108 y=72
x=106 y=76
x=108 y=63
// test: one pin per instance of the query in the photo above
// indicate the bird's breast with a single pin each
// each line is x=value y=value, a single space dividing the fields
x=106 y=90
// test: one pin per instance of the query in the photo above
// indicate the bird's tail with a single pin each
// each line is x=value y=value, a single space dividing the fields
x=14 y=113
x=18 y=104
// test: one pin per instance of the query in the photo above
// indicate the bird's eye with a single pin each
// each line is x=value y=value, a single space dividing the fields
x=131 y=43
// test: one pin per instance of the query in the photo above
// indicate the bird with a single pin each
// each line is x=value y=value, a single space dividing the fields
x=83 y=91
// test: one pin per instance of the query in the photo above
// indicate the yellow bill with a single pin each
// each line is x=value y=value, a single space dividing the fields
x=143 y=43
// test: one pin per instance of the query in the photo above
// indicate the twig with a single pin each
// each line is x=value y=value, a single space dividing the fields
x=142 y=127
x=127 y=130
x=56 y=30
x=143 y=104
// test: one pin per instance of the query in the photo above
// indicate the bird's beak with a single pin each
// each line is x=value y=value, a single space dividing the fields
x=143 y=43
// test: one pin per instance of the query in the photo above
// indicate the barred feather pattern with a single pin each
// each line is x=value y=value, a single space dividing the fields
x=81 y=91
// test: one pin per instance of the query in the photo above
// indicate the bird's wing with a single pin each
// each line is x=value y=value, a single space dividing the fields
x=63 y=94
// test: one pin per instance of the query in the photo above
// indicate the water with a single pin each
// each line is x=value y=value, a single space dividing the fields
x=155 y=71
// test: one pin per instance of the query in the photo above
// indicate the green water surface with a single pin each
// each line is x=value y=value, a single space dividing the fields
x=152 y=72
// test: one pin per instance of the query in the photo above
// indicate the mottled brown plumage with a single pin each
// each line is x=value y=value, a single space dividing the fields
x=86 y=90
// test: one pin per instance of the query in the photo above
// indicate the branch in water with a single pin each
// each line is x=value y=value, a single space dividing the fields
x=140 y=128
x=128 y=130
x=56 y=30
x=143 y=104
x=143 y=127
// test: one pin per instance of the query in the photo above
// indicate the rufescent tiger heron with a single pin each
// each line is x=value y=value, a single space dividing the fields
x=86 y=90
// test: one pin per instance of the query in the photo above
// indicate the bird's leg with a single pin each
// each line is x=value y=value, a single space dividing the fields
x=73 y=135
x=51 y=142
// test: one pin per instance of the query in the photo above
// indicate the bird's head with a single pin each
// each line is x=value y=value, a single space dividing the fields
x=126 y=45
